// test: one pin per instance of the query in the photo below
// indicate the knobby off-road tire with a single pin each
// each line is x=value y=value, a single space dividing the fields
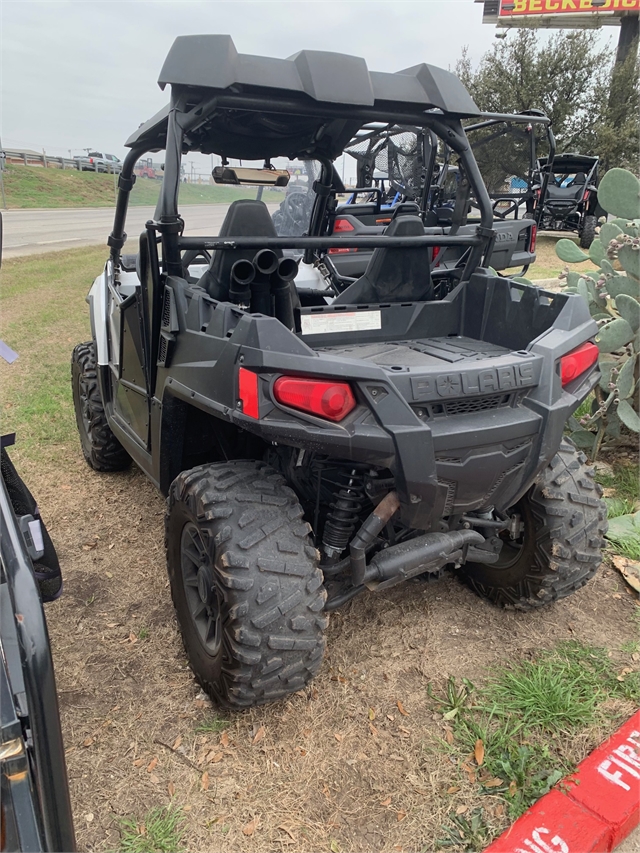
x=100 y=447
x=588 y=233
x=248 y=594
x=561 y=548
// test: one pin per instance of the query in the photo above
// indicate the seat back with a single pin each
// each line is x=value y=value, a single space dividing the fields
x=245 y=218
x=394 y=275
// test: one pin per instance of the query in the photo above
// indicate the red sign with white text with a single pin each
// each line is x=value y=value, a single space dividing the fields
x=566 y=7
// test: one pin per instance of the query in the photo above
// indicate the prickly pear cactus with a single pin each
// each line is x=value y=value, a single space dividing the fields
x=613 y=295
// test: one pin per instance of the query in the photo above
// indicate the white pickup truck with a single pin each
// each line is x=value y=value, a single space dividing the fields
x=95 y=161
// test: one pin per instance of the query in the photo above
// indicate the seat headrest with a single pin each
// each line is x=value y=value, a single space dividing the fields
x=405 y=226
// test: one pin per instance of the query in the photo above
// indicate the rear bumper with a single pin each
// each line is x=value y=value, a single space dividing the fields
x=459 y=399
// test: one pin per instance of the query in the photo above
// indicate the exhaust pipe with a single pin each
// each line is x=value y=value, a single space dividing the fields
x=265 y=262
x=407 y=559
x=242 y=274
x=281 y=280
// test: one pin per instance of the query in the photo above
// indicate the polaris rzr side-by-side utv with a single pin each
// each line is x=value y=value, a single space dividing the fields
x=570 y=202
x=317 y=440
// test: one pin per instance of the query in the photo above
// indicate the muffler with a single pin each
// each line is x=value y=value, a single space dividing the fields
x=242 y=274
x=281 y=279
x=407 y=559
x=402 y=561
x=265 y=263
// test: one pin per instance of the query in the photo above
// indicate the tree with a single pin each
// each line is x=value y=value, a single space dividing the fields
x=593 y=109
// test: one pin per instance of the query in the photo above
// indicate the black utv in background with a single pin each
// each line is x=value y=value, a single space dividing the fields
x=318 y=437
x=419 y=174
x=570 y=202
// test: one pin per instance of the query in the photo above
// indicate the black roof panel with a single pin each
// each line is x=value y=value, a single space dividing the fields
x=212 y=62
x=310 y=104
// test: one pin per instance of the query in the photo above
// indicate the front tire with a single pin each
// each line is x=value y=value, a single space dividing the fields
x=588 y=233
x=561 y=546
x=100 y=447
x=245 y=582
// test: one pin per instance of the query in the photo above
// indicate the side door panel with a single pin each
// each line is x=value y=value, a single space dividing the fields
x=127 y=358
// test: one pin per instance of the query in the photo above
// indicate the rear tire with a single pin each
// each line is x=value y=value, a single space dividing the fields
x=245 y=582
x=100 y=447
x=588 y=233
x=561 y=547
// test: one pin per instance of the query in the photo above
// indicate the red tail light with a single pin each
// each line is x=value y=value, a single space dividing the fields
x=575 y=363
x=435 y=251
x=340 y=226
x=331 y=400
x=248 y=392
x=91 y=159
x=532 y=238
x=586 y=195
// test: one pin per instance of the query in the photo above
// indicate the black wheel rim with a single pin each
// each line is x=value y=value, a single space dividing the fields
x=202 y=595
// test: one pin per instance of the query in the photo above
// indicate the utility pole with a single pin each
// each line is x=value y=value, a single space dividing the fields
x=629 y=32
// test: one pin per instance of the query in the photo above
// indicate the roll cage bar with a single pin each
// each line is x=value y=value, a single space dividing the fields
x=168 y=223
x=218 y=96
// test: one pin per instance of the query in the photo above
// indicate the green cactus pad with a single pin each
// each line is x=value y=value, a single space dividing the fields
x=630 y=260
x=626 y=380
x=583 y=438
x=606 y=363
x=613 y=425
x=629 y=309
x=583 y=290
x=619 y=194
x=597 y=251
x=607 y=268
x=614 y=335
x=608 y=232
x=627 y=227
x=623 y=284
x=522 y=280
x=595 y=296
x=628 y=416
x=573 y=278
x=567 y=251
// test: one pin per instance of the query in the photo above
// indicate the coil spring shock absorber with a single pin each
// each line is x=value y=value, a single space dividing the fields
x=344 y=514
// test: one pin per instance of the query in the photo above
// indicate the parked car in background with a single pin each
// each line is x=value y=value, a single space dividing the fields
x=96 y=161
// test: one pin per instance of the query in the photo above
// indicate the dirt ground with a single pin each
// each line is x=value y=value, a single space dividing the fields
x=337 y=767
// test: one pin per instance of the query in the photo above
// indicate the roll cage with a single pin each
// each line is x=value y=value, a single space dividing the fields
x=314 y=105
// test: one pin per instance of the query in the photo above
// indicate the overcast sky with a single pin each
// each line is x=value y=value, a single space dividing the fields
x=83 y=72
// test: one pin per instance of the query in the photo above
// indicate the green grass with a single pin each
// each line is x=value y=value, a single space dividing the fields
x=43 y=315
x=548 y=264
x=629 y=548
x=625 y=480
x=33 y=187
x=526 y=716
x=159 y=831
x=212 y=725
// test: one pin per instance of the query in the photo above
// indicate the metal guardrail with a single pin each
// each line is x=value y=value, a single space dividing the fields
x=32 y=158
